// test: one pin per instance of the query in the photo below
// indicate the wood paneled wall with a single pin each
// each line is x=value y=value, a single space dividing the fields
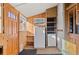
x=70 y=47
x=72 y=39
x=22 y=40
x=22 y=31
x=52 y=12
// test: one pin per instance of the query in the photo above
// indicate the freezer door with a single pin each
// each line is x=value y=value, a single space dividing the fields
x=51 y=39
x=39 y=37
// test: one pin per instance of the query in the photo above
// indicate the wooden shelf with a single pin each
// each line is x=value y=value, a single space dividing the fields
x=30 y=40
x=29 y=47
x=51 y=22
x=30 y=43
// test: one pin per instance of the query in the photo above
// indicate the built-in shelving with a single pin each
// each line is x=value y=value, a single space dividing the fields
x=30 y=42
x=51 y=25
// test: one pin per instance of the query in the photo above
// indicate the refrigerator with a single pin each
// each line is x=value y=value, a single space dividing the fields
x=39 y=37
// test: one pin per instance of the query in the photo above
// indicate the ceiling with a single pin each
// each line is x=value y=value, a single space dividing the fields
x=30 y=9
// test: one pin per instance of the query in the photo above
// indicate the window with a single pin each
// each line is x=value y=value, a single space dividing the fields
x=11 y=15
x=77 y=23
x=72 y=21
x=71 y=24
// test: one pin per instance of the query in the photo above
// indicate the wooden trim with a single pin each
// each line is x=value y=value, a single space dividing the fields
x=70 y=6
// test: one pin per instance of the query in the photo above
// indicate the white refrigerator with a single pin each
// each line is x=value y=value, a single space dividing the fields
x=39 y=37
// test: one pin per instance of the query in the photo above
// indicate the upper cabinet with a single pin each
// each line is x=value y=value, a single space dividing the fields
x=52 y=12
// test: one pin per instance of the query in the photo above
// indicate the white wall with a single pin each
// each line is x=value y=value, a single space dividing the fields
x=22 y=32
x=30 y=9
x=60 y=25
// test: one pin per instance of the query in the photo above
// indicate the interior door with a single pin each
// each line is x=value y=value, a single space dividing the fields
x=10 y=30
x=39 y=38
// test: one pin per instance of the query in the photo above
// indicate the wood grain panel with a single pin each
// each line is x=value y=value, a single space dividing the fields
x=52 y=12
x=11 y=45
x=22 y=39
x=73 y=38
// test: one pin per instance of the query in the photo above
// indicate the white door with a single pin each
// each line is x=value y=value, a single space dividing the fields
x=39 y=38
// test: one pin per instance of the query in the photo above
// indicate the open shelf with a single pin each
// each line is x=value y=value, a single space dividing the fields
x=51 y=25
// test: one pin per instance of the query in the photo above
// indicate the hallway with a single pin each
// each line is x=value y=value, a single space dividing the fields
x=42 y=51
x=39 y=28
